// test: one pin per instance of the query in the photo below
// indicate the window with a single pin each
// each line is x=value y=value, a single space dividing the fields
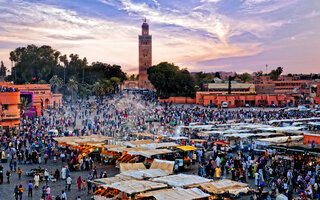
x=229 y=102
x=4 y=107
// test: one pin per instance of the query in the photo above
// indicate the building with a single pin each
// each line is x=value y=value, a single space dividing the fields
x=42 y=97
x=264 y=88
x=34 y=97
x=145 y=56
x=9 y=107
x=236 y=88
x=130 y=84
x=239 y=100
x=316 y=99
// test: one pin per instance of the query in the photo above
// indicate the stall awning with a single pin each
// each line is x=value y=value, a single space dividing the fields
x=187 y=148
x=136 y=186
x=225 y=186
x=131 y=166
x=173 y=194
x=220 y=142
x=181 y=180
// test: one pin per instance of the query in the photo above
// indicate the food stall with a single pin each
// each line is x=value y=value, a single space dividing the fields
x=184 y=155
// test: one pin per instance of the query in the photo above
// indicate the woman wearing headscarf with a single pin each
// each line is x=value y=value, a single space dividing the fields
x=36 y=181
x=79 y=182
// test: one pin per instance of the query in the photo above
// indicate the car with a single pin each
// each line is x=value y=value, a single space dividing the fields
x=246 y=105
x=212 y=105
x=224 y=105
x=53 y=132
x=303 y=108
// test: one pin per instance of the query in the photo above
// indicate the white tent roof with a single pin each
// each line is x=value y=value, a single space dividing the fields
x=181 y=180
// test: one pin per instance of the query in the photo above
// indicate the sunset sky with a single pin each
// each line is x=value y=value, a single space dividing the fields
x=201 y=35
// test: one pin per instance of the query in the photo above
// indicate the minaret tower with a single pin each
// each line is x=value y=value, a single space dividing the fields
x=145 y=56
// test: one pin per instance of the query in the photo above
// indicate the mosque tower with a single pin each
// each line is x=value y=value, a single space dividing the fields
x=145 y=56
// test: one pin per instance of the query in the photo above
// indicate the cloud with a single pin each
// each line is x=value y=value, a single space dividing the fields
x=189 y=33
x=74 y=37
x=68 y=32
x=210 y=1
x=265 y=6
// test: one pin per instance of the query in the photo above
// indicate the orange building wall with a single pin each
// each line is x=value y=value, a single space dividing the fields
x=307 y=139
x=9 y=109
x=178 y=100
x=206 y=98
x=316 y=100
x=42 y=96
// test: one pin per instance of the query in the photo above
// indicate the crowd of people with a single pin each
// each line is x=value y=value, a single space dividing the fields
x=121 y=115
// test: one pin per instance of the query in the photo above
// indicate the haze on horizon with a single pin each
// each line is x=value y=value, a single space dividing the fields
x=201 y=35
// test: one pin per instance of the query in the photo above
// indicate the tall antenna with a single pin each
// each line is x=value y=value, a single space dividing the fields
x=266 y=69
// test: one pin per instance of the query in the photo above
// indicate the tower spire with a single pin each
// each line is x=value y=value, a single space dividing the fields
x=145 y=20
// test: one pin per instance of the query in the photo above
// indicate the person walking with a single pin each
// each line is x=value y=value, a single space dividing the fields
x=95 y=172
x=218 y=172
x=20 y=191
x=36 y=181
x=49 y=197
x=48 y=191
x=46 y=156
x=46 y=175
x=79 y=182
x=8 y=174
x=63 y=195
x=30 y=185
x=15 y=193
x=44 y=191
x=19 y=172
x=69 y=181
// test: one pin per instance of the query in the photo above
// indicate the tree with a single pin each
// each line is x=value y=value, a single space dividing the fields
x=115 y=81
x=217 y=75
x=65 y=62
x=84 y=91
x=259 y=73
x=107 y=85
x=245 y=77
x=274 y=74
x=56 y=83
x=202 y=78
x=279 y=70
x=99 y=71
x=3 y=70
x=132 y=77
x=72 y=86
x=42 y=82
x=315 y=76
x=33 y=63
x=99 y=90
x=169 y=80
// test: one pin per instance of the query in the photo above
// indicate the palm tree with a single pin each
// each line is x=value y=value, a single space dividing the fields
x=99 y=90
x=64 y=59
x=107 y=85
x=56 y=83
x=72 y=86
x=115 y=81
